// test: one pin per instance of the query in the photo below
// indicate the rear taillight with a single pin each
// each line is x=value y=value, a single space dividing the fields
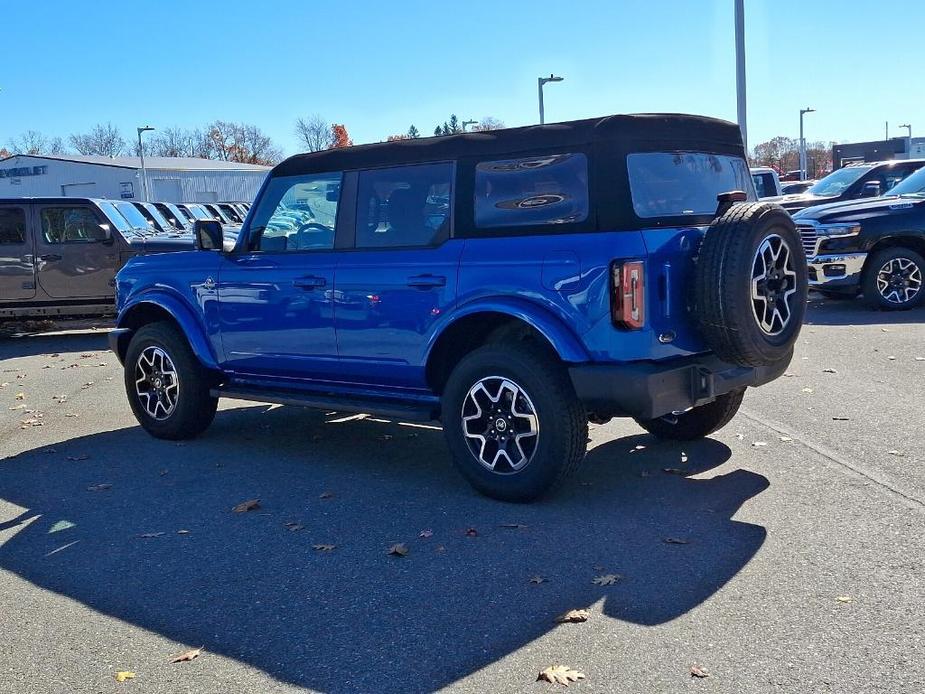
x=627 y=294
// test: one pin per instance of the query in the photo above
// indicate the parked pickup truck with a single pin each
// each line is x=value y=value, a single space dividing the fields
x=767 y=183
x=59 y=256
x=853 y=182
x=872 y=246
x=515 y=285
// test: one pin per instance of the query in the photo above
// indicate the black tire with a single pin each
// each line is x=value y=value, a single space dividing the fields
x=875 y=295
x=193 y=407
x=725 y=311
x=698 y=422
x=560 y=418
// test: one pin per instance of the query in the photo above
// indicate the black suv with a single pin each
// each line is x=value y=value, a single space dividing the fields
x=874 y=246
x=855 y=181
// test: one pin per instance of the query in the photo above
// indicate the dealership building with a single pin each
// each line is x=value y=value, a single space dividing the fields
x=878 y=150
x=170 y=179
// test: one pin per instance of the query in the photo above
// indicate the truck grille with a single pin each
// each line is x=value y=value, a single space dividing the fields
x=809 y=237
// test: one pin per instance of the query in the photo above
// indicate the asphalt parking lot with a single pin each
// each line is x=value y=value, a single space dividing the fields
x=784 y=554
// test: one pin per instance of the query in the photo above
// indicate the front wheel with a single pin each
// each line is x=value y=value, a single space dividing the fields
x=167 y=387
x=893 y=279
x=698 y=422
x=512 y=421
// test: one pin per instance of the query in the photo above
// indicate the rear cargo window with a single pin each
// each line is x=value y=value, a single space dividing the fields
x=677 y=184
x=537 y=190
x=12 y=225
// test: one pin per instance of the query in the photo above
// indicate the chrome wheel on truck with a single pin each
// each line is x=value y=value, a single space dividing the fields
x=500 y=424
x=774 y=285
x=157 y=384
x=899 y=280
x=893 y=279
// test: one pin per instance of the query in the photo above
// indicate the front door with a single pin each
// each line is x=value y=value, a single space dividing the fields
x=17 y=269
x=400 y=276
x=276 y=296
x=75 y=256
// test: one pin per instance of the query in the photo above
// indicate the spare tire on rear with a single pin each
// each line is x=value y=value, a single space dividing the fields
x=750 y=285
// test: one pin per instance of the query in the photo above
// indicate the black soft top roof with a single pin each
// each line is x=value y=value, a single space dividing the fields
x=619 y=133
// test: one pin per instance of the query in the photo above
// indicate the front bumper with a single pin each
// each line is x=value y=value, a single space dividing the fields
x=836 y=269
x=647 y=390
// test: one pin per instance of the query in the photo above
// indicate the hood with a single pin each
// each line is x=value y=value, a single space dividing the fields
x=162 y=244
x=798 y=201
x=856 y=210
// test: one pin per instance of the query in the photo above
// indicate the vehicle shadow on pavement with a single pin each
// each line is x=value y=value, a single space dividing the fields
x=356 y=619
x=32 y=345
x=855 y=312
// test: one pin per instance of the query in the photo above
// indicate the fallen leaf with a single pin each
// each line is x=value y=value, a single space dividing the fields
x=899 y=454
x=683 y=457
x=472 y=532
x=440 y=548
x=82 y=456
x=829 y=371
x=920 y=358
x=426 y=533
x=71 y=414
x=324 y=548
x=606 y=580
x=248 y=505
x=891 y=358
x=514 y=526
x=86 y=385
x=573 y=617
x=843 y=598
x=20 y=396
x=884 y=330
x=840 y=419
x=99 y=487
x=697 y=671
x=18 y=407
x=538 y=579
x=673 y=471
x=675 y=541
x=295 y=527
x=740 y=436
x=807 y=390
x=326 y=495
x=398 y=549
x=183 y=532
x=790 y=374
x=785 y=439
x=124 y=675
x=560 y=674
x=59 y=398
x=147 y=536
x=759 y=444
x=187 y=656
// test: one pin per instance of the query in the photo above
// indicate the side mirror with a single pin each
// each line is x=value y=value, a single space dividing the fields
x=208 y=234
x=107 y=234
x=871 y=189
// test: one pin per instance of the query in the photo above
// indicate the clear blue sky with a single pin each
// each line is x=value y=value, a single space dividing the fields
x=378 y=66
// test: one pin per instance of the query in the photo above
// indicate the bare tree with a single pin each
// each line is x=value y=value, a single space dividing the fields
x=489 y=123
x=103 y=140
x=241 y=142
x=34 y=142
x=314 y=133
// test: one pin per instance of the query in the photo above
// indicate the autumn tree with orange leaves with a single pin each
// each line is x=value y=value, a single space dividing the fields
x=341 y=137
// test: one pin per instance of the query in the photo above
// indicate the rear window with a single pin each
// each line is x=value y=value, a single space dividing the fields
x=677 y=184
x=12 y=225
x=536 y=190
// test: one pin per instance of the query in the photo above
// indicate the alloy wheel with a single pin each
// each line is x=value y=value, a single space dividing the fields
x=500 y=424
x=774 y=285
x=156 y=382
x=899 y=280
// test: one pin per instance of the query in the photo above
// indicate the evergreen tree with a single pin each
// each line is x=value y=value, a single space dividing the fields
x=413 y=132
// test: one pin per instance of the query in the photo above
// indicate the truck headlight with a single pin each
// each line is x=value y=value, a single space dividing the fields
x=838 y=230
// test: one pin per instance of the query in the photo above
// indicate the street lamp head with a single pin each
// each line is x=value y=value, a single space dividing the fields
x=551 y=78
x=144 y=129
x=807 y=110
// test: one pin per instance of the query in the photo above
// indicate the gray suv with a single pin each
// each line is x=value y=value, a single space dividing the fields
x=58 y=256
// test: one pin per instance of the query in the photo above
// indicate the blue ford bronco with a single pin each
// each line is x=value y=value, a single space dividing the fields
x=513 y=284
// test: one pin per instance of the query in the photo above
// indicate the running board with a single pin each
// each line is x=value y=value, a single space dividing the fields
x=422 y=412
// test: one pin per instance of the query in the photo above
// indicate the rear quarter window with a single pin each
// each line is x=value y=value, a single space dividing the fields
x=678 y=184
x=531 y=191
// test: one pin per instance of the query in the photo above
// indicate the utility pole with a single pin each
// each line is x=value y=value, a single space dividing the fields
x=803 y=111
x=740 y=69
x=540 y=81
x=141 y=153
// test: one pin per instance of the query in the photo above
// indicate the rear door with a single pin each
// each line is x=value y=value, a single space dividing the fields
x=17 y=267
x=76 y=257
x=400 y=275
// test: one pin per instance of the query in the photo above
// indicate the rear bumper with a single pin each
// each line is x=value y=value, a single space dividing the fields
x=646 y=390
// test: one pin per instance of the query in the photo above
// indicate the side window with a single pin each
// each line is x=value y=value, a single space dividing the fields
x=542 y=189
x=71 y=224
x=297 y=213
x=12 y=225
x=760 y=187
x=894 y=175
x=405 y=206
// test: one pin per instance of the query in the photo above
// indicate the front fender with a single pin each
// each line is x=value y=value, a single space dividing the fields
x=181 y=313
x=563 y=340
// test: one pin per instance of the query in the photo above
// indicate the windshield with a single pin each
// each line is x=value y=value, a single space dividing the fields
x=176 y=214
x=839 y=181
x=911 y=185
x=134 y=217
x=673 y=184
x=159 y=219
x=198 y=212
x=122 y=224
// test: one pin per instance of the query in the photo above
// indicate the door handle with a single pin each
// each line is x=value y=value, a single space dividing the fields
x=309 y=283
x=50 y=258
x=427 y=281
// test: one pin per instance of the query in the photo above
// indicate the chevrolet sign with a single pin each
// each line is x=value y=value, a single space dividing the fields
x=24 y=171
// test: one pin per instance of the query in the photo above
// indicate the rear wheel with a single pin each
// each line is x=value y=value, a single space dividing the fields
x=698 y=422
x=512 y=421
x=893 y=279
x=167 y=387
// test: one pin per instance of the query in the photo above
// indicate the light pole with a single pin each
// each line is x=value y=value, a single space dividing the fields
x=740 y=69
x=141 y=153
x=908 y=127
x=467 y=123
x=540 y=81
x=803 y=111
